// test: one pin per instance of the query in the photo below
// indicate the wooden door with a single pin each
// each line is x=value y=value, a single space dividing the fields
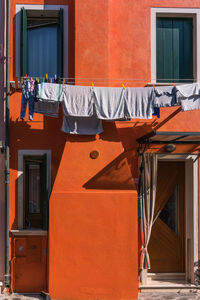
x=166 y=246
x=29 y=264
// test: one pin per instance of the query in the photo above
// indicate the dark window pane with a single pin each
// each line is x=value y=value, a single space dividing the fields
x=169 y=214
x=34 y=188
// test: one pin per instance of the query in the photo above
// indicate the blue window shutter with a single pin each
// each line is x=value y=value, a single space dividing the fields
x=174 y=49
x=23 y=42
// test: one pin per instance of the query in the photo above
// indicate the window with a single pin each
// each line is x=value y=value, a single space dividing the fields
x=35 y=192
x=174 y=49
x=175 y=37
x=34 y=186
x=41 y=42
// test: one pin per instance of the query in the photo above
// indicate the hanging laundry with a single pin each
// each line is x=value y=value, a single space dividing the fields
x=77 y=101
x=139 y=102
x=49 y=91
x=82 y=125
x=47 y=108
x=165 y=96
x=156 y=112
x=27 y=96
x=48 y=99
x=189 y=96
x=109 y=103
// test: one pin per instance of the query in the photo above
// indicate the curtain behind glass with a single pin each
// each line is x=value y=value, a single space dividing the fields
x=42 y=51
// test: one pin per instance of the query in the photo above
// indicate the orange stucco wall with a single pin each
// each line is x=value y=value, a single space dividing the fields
x=93 y=231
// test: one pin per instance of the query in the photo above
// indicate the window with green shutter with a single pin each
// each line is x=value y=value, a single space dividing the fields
x=174 y=49
x=41 y=43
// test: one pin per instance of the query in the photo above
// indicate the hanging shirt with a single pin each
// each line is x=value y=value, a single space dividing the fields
x=82 y=125
x=165 y=96
x=189 y=96
x=109 y=103
x=139 y=102
x=77 y=101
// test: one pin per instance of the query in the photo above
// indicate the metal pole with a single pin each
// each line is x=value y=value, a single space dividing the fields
x=7 y=276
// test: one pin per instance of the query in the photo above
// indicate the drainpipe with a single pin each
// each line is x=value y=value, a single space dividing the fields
x=7 y=276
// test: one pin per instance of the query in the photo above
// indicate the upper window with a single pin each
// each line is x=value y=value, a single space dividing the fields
x=174 y=49
x=41 y=43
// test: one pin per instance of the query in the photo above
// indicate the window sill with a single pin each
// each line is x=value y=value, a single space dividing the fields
x=29 y=232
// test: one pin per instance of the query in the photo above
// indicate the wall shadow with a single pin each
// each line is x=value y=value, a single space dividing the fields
x=115 y=176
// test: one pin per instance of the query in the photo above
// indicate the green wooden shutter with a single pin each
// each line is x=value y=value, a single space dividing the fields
x=23 y=42
x=45 y=194
x=60 y=44
x=174 y=49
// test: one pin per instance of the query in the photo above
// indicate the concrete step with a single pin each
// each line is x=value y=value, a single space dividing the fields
x=169 y=295
x=166 y=276
x=172 y=287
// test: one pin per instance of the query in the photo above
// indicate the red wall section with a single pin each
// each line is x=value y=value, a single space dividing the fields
x=97 y=256
x=91 y=40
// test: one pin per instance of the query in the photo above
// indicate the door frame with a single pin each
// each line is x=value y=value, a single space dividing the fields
x=191 y=214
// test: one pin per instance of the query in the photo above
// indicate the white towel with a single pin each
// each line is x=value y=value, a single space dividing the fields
x=77 y=101
x=188 y=90
x=189 y=96
x=139 y=102
x=109 y=103
x=49 y=91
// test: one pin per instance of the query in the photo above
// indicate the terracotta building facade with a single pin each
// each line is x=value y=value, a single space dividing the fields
x=90 y=245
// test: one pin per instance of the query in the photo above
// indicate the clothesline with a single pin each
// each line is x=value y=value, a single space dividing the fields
x=114 y=80
x=84 y=107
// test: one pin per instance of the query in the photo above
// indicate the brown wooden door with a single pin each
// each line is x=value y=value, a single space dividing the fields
x=166 y=246
x=29 y=264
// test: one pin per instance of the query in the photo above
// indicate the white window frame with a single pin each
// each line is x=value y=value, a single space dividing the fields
x=20 y=177
x=18 y=33
x=176 y=12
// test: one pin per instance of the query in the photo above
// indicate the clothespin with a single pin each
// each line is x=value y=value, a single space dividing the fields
x=173 y=84
x=123 y=86
x=63 y=81
x=51 y=80
x=37 y=79
x=26 y=75
x=46 y=76
x=92 y=84
x=43 y=79
x=55 y=77
x=153 y=85
x=31 y=78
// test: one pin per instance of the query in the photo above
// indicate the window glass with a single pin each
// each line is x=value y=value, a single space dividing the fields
x=169 y=214
x=34 y=188
x=42 y=43
x=174 y=49
x=36 y=192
